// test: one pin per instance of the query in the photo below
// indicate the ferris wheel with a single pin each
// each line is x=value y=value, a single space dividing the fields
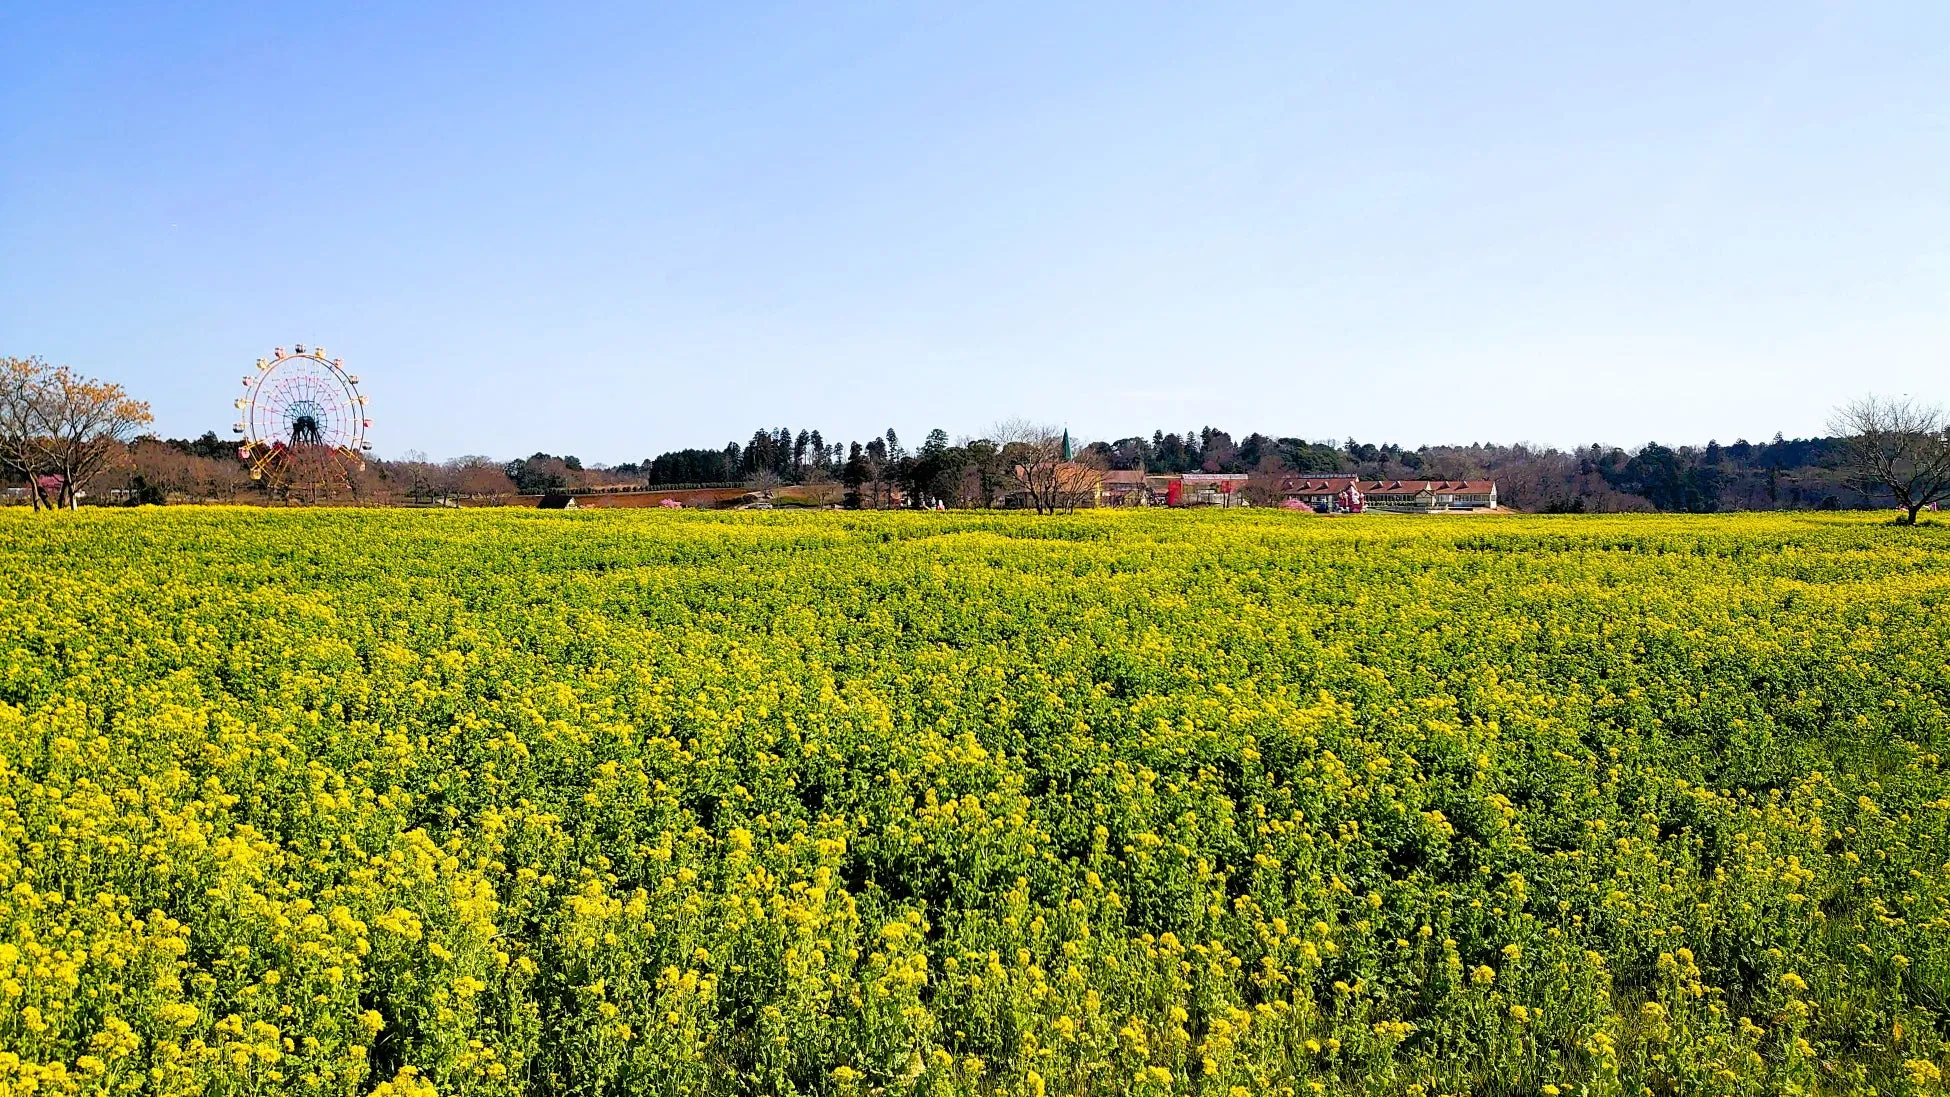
x=303 y=423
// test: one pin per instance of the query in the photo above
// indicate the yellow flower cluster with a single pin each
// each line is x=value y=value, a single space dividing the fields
x=364 y=802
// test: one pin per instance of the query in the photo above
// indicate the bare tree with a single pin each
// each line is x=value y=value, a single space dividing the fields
x=1047 y=478
x=1081 y=479
x=1898 y=445
x=1035 y=452
x=57 y=425
x=764 y=484
x=23 y=400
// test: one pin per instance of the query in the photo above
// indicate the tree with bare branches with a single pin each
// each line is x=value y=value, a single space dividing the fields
x=1895 y=444
x=23 y=397
x=56 y=425
x=1082 y=478
x=1045 y=475
x=1035 y=452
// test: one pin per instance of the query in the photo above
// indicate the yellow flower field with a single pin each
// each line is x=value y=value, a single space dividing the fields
x=1227 y=803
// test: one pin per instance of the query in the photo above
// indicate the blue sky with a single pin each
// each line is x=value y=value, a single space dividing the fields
x=613 y=230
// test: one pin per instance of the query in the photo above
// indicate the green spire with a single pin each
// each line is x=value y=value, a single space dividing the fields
x=1066 y=444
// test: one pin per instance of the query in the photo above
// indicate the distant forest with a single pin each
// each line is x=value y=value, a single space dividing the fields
x=1780 y=474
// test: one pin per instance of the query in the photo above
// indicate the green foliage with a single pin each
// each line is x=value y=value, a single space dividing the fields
x=1221 y=803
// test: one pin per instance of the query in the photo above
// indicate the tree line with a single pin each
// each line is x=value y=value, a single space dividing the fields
x=1776 y=474
x=1017 y=458
x=880 y=472
x=61 y=432
x=1780 y=474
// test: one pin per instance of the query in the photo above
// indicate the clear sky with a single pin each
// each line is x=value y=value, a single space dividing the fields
x=617 y=229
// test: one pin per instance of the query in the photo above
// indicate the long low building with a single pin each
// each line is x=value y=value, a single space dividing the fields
x=1352 y=493
x=1326 y=494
